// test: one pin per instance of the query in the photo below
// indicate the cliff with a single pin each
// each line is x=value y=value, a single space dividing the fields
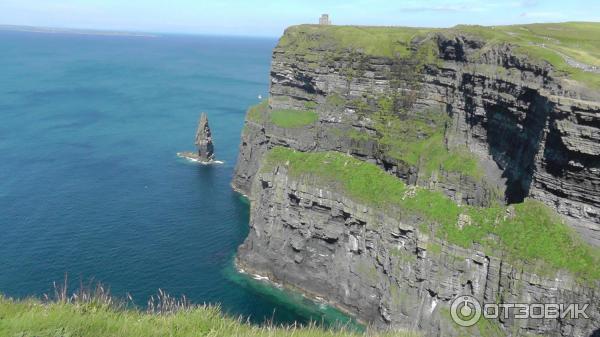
x=489 y=134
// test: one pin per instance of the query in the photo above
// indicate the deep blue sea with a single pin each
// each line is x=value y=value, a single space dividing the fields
x=90 y=184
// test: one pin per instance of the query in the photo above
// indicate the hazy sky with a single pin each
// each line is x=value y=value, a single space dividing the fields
x=270 y=17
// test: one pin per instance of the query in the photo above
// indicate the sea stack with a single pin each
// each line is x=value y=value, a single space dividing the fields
x=204 y=139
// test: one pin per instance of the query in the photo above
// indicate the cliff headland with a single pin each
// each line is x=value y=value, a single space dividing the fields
x=392 y=169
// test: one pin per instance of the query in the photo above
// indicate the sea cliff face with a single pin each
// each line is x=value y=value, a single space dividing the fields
x=483 y=124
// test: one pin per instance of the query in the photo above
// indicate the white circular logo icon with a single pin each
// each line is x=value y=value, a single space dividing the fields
x=465 y=310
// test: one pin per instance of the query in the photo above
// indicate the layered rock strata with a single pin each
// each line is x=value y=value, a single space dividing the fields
x=534 y=134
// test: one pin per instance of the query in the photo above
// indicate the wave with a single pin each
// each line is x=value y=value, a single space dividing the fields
x=198 y=160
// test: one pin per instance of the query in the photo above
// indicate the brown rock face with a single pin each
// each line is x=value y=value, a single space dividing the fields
x=204 y=139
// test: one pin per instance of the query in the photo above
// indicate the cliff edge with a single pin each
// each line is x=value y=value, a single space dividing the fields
x=392 y=169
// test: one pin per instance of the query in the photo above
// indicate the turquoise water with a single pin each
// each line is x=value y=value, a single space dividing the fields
x=90 y=185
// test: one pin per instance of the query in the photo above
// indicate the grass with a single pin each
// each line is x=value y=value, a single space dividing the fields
x=577 y=40
x=542 y=42
x=97 y=314
x=418 y=140
x=286 y=118
x=415 y=138
x=32 y=318
x=258 y=113
x=289 y=118
x=374 y=41
x=534 y=236
x=364 y=182
x=357 y=135
x=434 y=248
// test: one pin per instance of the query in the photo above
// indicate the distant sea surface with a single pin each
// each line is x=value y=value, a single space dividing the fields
x=90 y=184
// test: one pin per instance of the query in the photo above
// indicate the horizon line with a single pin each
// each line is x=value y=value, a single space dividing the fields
x=115 y=32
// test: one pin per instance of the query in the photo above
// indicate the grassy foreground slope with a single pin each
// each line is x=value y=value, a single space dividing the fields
x=95 y=318
x=554 y=43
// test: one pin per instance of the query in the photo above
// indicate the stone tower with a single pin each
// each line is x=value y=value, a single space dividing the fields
x=324 y=20
x=204 y=139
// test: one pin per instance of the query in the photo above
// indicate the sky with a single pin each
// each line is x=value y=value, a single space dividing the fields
x=270 y=17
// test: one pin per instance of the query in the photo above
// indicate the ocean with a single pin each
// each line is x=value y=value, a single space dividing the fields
x=90 y=185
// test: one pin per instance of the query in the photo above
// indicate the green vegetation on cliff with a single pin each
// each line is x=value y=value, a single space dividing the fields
x=376 y=41
x=100 y=318
x=529 y=234
x=364 y=182
x=258 y=113
x=568 y=47
x=285 y=118
x=289 y=118
x=552 y=42
x=418 y=140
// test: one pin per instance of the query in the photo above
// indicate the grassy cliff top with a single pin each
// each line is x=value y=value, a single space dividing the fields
x=375 y=41
x=570 y=47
